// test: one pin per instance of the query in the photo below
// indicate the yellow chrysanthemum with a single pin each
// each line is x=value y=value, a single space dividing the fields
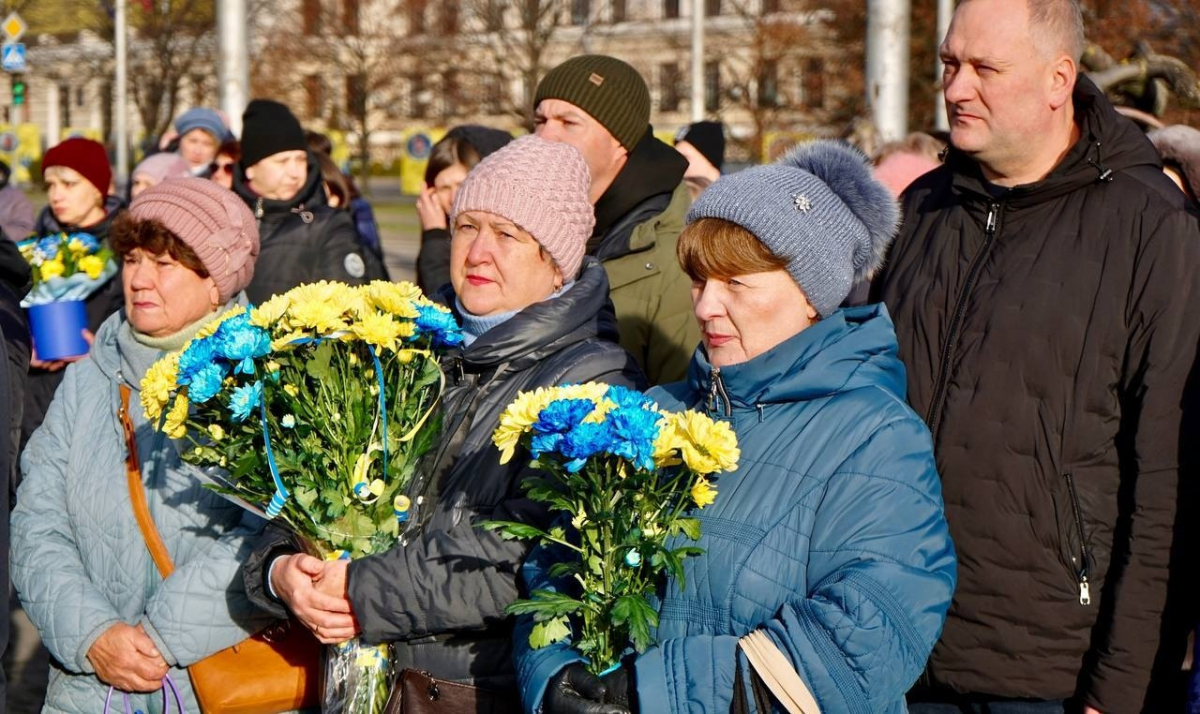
x=378 y=329
x=211 y=328
x=157 y=386
x=291 y=389
x=52 y=269
x=76 y=246
x=319 y=316
x=271 y=311
x=706 y=446
x=92 y=265
x=393 y=298
x=175 y=425
x=517 y=418
x=594 y=391
x=703 y=492
x=216 y=432
x=667 y=443
x=284 y=342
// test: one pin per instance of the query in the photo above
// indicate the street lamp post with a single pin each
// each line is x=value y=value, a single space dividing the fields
x=122 y=109
x=887 y=66
x=233 y=71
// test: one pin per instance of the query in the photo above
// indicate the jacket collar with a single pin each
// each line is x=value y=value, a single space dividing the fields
x=1108 y=143
x=851 y=348
x=653 y=168
x=47 y=224
x=581 y=313
x=310 y=196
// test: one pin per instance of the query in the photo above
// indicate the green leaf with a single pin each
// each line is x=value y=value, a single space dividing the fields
x=545 y=604
x=511 y=530
x=633 y=611
x=690 y=527
x=305 y=497
x=548 y=632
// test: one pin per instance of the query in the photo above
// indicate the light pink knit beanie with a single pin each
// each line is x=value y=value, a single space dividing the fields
x=540 y=185
x=212 y=221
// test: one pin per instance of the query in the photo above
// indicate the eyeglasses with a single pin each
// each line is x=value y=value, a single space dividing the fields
x=222 y=168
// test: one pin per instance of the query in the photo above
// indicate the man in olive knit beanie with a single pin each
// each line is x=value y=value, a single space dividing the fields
x=601 y=106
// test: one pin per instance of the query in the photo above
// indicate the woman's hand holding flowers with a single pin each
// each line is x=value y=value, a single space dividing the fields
x=299 y=581
x=55 y=365
x=575 y=690
x=125 y=657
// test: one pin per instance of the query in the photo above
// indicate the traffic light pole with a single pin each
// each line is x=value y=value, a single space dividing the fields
x=18 y=100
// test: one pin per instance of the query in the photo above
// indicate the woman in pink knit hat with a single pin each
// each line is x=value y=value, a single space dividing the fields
x=78 y=559
x=535 y=313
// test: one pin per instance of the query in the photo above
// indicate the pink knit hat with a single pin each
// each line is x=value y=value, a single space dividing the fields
x=162 y=166
x=540 y=185
x=212 y=221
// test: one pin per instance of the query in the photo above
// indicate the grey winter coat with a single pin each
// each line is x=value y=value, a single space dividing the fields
x=79 y=562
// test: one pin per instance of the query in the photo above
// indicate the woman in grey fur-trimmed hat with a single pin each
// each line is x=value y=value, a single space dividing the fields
x=828 y=544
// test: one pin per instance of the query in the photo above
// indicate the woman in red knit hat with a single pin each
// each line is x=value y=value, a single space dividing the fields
x=78 y=182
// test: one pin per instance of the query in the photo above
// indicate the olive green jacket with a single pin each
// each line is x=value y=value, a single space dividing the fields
x=652 y=294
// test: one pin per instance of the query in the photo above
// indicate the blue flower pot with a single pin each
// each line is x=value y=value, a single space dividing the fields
x=57 y=329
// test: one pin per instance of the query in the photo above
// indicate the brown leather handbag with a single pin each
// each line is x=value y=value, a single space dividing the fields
x=276 y=670
x=418 y=692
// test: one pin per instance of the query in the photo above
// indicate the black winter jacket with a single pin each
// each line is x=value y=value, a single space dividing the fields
x=302 y=240
x=14 y=362
x=109 y=298
x=441 y=597
x=1050 y=334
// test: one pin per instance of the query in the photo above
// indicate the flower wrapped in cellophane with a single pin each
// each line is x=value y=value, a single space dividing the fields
x=623 y=476
x=315 y=409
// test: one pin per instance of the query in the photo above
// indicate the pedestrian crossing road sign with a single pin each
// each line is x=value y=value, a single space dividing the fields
x=12 y=57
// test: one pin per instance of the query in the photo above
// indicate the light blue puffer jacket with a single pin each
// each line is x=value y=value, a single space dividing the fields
x=79 y=562
x=830 y=536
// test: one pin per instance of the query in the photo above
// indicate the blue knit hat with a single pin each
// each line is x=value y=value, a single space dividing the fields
x=201 y=118
x=819 y=209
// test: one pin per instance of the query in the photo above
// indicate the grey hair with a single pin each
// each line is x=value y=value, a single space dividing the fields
x=1059 y=25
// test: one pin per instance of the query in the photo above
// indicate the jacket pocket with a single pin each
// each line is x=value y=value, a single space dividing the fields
x=1074 y=542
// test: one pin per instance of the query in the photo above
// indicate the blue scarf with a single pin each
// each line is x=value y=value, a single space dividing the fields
x=474 y=326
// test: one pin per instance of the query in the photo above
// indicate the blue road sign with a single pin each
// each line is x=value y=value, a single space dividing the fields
x=12 y=57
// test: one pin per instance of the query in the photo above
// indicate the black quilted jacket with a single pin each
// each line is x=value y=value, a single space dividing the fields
x=1050 y=334
x=441 y=598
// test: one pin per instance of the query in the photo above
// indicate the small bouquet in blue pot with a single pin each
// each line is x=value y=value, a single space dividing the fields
x=67 y=268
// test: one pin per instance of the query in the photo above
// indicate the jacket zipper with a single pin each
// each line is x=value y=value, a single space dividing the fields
x=718 y=395
x=1085 y=590
x=934 y=415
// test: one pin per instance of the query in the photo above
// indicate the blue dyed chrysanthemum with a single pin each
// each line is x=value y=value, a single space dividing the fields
x=206 y=383
x=544 y=443
x=240 y=342
x=583 y=442
x=49 y=246
x=562 y=414
x=89 y=242
x=633 y=433
x=626 y=397
x=244 y=400
x=197 y=356
x=440 y=324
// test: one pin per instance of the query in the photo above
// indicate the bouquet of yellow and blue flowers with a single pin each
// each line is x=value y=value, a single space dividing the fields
x=624 y=476
x=314 y=409
x=66 y=269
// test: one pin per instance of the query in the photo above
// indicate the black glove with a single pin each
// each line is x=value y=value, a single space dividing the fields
x=620 y=687
x=574 y=690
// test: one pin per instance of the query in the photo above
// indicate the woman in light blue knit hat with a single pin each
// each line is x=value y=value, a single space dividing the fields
x=828 y=546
